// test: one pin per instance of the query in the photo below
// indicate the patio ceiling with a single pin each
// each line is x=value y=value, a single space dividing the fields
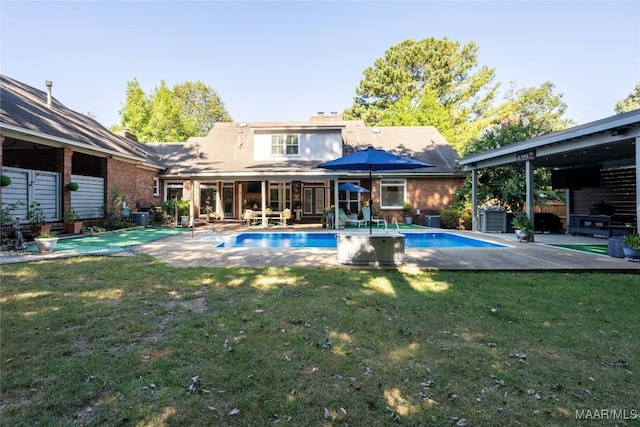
x=610 y=142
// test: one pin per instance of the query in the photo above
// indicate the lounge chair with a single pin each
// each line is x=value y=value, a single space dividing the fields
x=366 y=214
x=346 y=220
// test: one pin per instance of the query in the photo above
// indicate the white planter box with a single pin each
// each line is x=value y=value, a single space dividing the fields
x=46 y=244
x=371 y=249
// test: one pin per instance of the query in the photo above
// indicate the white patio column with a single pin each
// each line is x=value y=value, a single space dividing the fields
x=263 y=190
x=474 y=200
x=336 y=224
x=530 y=192
x=192 y=214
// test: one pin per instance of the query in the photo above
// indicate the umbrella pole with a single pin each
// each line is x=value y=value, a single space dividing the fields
x=370 y=203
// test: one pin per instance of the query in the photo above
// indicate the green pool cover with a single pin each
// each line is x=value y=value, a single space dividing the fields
x=594 y=249
x=108 y=243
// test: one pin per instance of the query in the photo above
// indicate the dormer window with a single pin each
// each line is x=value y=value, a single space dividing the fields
x=285 y=145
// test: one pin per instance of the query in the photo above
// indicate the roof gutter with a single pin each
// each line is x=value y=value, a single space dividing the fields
x=305 y=174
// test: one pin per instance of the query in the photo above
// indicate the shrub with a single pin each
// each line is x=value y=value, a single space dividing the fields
x=71 y=215
x=522 y=223
x=35 y=214
x=455 y=218
x=632 y=240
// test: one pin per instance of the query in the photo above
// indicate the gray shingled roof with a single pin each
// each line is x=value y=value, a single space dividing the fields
x=423 y=143
x=226 y=151
x=25 y=108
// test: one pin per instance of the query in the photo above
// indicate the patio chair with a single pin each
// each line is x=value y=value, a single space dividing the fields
x=366 y=215
x=284 y=216
x=346 y=220
x=251 y=218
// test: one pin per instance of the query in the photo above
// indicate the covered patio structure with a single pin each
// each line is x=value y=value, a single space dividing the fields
x=596 y=163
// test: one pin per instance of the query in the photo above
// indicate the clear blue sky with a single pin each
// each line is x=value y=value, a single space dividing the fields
x=272 y=61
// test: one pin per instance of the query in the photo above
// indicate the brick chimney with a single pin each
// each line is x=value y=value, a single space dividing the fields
x=322 y=117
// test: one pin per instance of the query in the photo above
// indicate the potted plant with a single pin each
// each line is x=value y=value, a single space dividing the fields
x=46 y=241
x=37 y=220
x=71 y=219
x=406 y=208
x=327 y=216
x=523 y=227
x=184 y=208
x=631 y=246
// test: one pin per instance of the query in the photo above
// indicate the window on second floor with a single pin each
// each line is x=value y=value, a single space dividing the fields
x=285 y=145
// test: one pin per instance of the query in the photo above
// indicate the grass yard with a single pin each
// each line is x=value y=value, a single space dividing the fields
x=133 y=341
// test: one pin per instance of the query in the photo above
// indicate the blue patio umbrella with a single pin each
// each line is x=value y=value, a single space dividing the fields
x=373 y=159
x=349 y=186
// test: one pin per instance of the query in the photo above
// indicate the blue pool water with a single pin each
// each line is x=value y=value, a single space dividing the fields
x=328 y=240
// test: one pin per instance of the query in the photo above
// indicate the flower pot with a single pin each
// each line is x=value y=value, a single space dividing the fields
x=408 y=220
x=36 y=230
x=522 y=235
x=631 y=253
x=73 y=227
x=46 y=244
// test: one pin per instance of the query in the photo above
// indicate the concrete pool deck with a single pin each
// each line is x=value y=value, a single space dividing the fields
x=189 y=250
x=517 y=256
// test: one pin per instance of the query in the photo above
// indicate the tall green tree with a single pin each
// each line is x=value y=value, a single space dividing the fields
x=171 y=114
x=527 y=113
x=631 y=102
x=200 y=106
x=165 y=121
x=414 y=74
x=135 y=114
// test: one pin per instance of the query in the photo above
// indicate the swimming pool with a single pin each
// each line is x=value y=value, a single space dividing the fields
x=328 y=240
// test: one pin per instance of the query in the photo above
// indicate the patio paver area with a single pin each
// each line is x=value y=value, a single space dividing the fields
x=189 y=250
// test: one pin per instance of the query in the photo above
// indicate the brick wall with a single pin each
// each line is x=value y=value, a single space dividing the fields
x=134 y=181
x=433 y=194
x=430 y=195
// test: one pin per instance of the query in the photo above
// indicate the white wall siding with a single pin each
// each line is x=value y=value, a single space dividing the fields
x=29 y=186
x=323 y=146
x=89 y=197
x=45 y=191
x=17 y=191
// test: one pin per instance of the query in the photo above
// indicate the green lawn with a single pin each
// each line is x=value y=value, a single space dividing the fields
x=133 y=341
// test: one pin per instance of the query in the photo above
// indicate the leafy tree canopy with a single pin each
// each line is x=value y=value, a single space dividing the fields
x=535 y=110
x=631 y=102
x=413 y=77
x=171 y=114
x=527 y=113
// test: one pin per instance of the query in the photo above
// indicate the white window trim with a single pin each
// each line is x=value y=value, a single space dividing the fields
x=172 y=184
x=285 y=144
x=156 y=186
x=396 y=184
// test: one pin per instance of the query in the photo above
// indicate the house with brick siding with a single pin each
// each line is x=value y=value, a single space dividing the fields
x=46 y=146
x=236 y=166
x=240 y=166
